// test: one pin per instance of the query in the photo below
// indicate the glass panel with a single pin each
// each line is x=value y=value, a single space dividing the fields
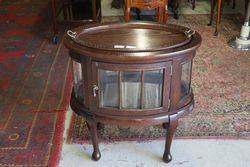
x=78 y=80
x=108 y=88
x=131 y=89
x=185 y=78
x=153 y=81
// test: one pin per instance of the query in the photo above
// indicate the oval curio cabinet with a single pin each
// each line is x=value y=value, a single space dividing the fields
x=136 y=73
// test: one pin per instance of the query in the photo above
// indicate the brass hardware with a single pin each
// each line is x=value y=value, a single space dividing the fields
x=71 y=34
x=95 y=90
x=189 y=33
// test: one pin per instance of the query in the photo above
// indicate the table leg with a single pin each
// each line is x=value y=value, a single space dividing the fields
x=127 y=14
x=211 y=13
x=176 y=9
x=160 y=15
x=92 y=126
x=217 y=27
x=165 y=18
x=246 y=4
x=69 y=14
x=157 y=13
x=193 y=4
x=64 y=8
x=55 y=29
x=94 y=12
x=138 y=13
x=171 y=127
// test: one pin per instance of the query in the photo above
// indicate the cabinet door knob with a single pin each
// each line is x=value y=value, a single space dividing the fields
x=95 y=90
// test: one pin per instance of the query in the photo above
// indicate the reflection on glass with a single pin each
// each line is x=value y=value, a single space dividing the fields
x=78 y=79
x=108 y=88
x=131 y=89
x=153 y=81
x=185 y=78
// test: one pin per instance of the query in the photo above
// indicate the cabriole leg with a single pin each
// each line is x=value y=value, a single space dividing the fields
x=171 y=127
x=92 y=126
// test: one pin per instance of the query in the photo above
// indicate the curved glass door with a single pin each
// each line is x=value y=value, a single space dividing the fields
x=109 y=92
x=78 y=80
x=131 y=89
x=153 y=87
x=185 y=78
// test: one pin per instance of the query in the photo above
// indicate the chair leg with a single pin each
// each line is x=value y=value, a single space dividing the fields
x=92 y=126
x=211 y=13
x=171 y=127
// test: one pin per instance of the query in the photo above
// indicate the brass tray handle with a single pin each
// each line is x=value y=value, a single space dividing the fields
x=71 y=34
x=189 y=33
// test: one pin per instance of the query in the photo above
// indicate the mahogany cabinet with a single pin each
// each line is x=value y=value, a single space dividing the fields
x=132 y=74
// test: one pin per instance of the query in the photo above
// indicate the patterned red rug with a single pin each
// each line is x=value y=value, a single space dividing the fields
x=34 y=86
x=221 y=87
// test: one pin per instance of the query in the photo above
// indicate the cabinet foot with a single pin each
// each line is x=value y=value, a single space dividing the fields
x=171 y=127
x=167 y=157
x=96 y=156
x=92 y=126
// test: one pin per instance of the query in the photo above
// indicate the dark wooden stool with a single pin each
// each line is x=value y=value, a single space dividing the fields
x=159 y=5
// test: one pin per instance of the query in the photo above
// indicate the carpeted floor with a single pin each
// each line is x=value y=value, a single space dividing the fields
x=221 y=87
x=34 y=85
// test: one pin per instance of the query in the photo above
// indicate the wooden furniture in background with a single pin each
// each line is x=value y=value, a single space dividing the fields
x=65 y=6
x=174 y=5
x=159 y=5
x=57 y=8
x=132 y=74
x=193 y=3
x=219 y=13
